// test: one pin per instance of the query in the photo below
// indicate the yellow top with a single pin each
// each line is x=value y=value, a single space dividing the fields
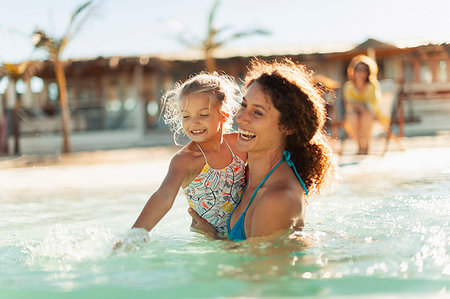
x=369 y=96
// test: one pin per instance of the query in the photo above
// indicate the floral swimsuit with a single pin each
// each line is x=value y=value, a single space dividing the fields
x=214 y=193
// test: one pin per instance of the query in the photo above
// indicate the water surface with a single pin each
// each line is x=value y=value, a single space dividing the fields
x=384 y=231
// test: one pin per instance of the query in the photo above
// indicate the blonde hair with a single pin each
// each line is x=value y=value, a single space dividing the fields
x=221 y=88
x=369 y=62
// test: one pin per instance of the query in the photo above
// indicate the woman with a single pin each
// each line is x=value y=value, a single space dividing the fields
x=361 y=96
x=280 y=126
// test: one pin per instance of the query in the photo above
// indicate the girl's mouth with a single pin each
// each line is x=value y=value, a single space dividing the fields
x=198 y=132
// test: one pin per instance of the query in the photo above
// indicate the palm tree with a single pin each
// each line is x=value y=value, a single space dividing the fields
x=14 y=72
x=55 y=47
x=211 y=42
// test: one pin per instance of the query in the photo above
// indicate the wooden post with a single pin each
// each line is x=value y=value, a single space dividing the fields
x=401 y=120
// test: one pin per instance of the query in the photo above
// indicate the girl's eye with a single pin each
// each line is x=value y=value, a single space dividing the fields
x=243 y=105
x=185 y=116
x=258 y=113
x=204 y=115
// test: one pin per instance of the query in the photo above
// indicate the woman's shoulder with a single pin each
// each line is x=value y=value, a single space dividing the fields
x=283 y=194
x=348 y=84
x=374 y=85
x=280 y=203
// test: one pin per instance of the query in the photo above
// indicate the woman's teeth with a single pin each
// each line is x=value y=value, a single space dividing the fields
x=246 y=135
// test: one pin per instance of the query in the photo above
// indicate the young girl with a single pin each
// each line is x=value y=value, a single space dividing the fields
x=209 y=168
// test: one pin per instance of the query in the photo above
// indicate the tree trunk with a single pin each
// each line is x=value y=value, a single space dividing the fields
x=210 y=61
x=65 y=112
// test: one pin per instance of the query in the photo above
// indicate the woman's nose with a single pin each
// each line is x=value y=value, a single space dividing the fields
x=242 y=116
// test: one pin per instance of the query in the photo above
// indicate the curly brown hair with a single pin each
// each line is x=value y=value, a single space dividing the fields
x=302 y=111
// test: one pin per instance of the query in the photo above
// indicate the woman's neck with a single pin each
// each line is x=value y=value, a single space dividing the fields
x=360 y=85
x=260 y=164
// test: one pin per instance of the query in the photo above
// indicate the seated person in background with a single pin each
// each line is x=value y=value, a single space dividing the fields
x=361 y=96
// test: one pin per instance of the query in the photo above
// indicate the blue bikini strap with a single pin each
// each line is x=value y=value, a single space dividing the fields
x=259 y=186
x=287 y=158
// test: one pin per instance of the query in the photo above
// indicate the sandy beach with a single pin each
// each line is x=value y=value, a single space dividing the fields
x=117 y=156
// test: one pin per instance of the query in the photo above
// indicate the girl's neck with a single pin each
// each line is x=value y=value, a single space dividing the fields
x=213 y=144
x=260 y=164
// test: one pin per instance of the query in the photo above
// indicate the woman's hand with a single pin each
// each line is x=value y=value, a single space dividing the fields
x=202 y=226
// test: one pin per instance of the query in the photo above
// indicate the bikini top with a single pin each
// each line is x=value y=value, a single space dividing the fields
x=214 y=193
x=238 y=231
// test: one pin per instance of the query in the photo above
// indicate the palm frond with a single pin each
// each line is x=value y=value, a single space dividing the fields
x=187 y=42
x=211 y=16
x=75 y=26
x=54 y=45
x=242 y=34
x=85 y=11
x=21 y=70
x=79 y=10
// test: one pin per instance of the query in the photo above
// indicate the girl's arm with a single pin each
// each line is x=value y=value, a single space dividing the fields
x=162 y=200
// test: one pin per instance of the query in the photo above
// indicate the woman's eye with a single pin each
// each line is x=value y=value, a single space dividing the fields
x=258 y=113
x=243 y=105
x=185 y=116
x=204 y=115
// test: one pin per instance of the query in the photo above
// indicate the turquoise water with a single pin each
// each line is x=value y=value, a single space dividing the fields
x=384 y=231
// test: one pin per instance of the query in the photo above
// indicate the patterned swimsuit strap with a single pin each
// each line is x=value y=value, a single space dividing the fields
x=229 y=147
x=200 y=148
x=204 y=155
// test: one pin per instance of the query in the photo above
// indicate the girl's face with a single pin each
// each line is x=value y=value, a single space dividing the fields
x=200 y=117
x=258 y=121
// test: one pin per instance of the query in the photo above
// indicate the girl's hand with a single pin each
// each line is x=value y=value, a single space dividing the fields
x=202 y=226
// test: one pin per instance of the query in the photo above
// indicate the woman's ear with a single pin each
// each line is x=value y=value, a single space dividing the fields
x=290 y=132
x=287 y=131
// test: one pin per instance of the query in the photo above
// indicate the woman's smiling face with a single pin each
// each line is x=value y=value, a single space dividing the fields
x=258 y=121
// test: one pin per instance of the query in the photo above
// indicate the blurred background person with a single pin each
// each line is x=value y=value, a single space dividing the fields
x=361 y=97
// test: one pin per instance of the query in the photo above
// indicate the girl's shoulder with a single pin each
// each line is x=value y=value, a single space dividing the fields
x=231 y=137
x=188 y=155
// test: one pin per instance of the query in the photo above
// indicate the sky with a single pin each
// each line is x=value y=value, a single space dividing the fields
x=141 y=27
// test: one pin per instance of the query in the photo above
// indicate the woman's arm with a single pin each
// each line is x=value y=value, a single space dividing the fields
x=162 y=200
